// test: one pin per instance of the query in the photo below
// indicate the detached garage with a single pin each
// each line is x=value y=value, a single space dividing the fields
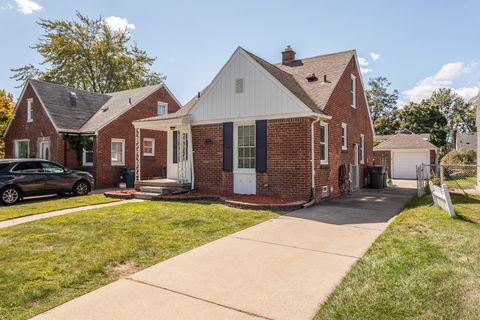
x=402 y=152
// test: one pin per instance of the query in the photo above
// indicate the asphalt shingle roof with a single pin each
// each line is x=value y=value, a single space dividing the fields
x=56 y=99
x=405 y=141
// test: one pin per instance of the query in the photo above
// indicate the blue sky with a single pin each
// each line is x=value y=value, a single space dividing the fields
x=418 y=45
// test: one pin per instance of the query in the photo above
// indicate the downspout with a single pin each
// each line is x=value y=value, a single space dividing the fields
x=190 y=156
x=311 y=201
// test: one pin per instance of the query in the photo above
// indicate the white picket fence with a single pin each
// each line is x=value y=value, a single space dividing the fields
x=441 y=197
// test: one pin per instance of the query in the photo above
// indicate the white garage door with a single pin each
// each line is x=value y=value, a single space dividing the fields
x=405 y=163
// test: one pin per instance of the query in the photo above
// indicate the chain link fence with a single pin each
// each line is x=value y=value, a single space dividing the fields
x=462 y=177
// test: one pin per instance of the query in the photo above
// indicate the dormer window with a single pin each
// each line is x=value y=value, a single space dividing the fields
x=353 y=97
x=162 y=108
x=30 y=110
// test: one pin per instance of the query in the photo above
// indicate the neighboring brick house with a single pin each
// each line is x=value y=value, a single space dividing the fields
x=49 y=115
x=300 y=128
x=402 y=152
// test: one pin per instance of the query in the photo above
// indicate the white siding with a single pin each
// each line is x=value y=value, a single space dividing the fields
x=263 y=95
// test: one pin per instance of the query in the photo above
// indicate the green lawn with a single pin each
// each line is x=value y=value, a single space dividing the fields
x=30 y=206
x=464 y=183
x=48 y=262
x=424 y=266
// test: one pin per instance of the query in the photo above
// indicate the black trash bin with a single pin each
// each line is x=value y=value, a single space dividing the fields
x=378 y=177
x=128 y=177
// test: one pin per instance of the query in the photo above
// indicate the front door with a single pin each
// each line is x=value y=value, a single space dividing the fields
x=45 y=150
x=244 y=155
x=178 y=164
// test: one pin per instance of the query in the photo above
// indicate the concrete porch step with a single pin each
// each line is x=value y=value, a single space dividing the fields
x=155 y=190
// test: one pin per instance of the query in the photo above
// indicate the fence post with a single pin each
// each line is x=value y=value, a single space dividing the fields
x=442 y=172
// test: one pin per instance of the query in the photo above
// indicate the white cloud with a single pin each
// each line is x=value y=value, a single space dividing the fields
x=444 y=78
x=365 y=70
x=8 y=6
x=374 y=56
x=117 y=23
x=362 y=61
x=28 y=6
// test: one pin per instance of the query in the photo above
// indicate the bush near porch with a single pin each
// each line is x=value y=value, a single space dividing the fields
x=48 y=262
x=425 y=266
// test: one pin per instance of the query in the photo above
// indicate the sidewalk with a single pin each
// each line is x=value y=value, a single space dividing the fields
x=34 y=217
x=283 y=268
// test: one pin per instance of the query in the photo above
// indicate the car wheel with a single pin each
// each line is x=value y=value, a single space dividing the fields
x=10 y=195
x=81 y=188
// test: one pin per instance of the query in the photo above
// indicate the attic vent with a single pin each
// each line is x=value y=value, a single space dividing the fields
x=239 y=86
x=311 y=77
x=104 y=109
x=73 y=98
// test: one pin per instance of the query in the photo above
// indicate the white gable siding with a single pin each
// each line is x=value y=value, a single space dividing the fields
x=262 y=95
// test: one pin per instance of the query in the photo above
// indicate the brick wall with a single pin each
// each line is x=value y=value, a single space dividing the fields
x=288 y=159
x=41 y=127
x=358 y=122
x=383 y=157
x=107 y=175
x=208 y=160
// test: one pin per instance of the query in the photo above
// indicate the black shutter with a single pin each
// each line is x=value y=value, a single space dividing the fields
x=261 y=145
x=227 y=146
x=175 y=146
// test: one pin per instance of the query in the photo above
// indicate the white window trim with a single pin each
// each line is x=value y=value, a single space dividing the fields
x=344 y=146
x=149 y=154
x=30 y=110
x=161 y=103
x=118 y=163
x=15 y=146
x=84 y=157
x=325 y=161
x=235 y=148
x=353 y=91
x=362 y=146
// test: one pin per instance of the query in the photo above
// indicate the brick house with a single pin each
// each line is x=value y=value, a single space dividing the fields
x=402 y=152
x=300 y=128
x=49 y=115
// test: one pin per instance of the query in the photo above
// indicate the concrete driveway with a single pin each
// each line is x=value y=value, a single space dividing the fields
x=283 y=268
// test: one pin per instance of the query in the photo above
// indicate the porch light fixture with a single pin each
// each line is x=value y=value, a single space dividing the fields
x=172 y=128
x=208 y=141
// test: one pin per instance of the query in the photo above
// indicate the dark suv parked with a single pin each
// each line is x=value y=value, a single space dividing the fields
x=31 y=177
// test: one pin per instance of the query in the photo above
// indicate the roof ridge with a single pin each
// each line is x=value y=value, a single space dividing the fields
x=322 y=55
x=149 y=86
x=65 y=86
x=273 y=65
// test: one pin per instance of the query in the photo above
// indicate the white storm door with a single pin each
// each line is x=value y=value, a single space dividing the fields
x=45 y=150
x=244 y=157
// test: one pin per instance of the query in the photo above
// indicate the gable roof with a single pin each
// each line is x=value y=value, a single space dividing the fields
x=56 y=100
x=118 y=103
x=405 y=141
x=330 y=65
x=385 y=137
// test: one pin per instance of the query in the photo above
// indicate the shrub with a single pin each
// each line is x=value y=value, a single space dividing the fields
x=461 y=156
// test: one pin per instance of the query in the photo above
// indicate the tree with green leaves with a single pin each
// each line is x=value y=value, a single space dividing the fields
x=88 y=54
x=382 y=104
x=454 y=108
x=6 y=114
x=424 y=117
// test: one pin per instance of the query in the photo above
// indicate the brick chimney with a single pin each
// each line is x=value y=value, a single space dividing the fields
x=288 y=55
x=48 y=78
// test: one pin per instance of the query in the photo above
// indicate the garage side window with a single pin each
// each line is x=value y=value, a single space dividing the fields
x=118 y=152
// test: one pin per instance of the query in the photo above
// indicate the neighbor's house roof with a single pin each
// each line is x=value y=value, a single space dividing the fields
x=314 y=94
x=385 y=137
x=466 y=141
x=405 y=141
x=92 y=110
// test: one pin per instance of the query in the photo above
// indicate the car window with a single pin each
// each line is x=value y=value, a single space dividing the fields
x=3 y=166
x=52 y=167
x=28 y=167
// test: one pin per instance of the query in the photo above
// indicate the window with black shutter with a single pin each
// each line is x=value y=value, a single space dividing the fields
x=175 y=146
x=228 y=146
x=261 y=145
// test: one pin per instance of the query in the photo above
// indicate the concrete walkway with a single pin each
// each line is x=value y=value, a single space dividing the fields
x=283 y=268
x=14 y=222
